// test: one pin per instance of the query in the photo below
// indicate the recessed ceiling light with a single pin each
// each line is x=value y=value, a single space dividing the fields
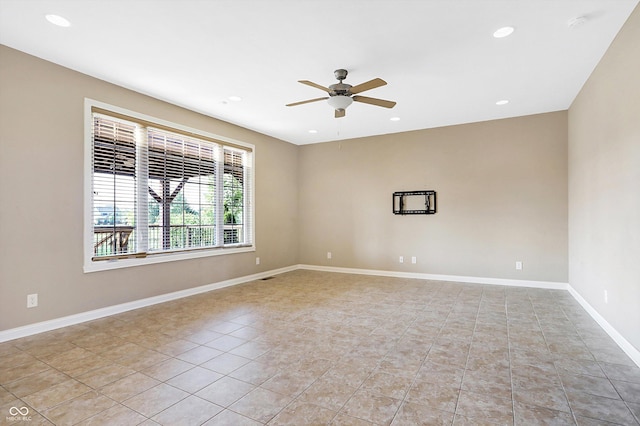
x=235 y=98
x=395 y=119
x=502 y=102
x=313 y=131
x=58 y=20
x=503 y=32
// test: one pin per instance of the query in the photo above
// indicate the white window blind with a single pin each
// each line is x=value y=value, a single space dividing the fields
x=182 y=191
x=159 y=191
x=114 y=187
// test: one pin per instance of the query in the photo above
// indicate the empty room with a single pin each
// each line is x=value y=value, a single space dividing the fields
x=300 y=212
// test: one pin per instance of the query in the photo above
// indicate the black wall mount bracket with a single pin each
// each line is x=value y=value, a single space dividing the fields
x=414 y=202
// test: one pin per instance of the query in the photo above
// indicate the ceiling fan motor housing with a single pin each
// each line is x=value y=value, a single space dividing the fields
x=340 y=89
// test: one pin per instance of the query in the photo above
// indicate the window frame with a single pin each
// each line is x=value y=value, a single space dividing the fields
x=92 y=265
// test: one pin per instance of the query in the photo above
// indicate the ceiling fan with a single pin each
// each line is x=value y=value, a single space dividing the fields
x=341 y=94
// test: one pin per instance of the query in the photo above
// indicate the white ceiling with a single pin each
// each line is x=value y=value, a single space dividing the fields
x=441 y=62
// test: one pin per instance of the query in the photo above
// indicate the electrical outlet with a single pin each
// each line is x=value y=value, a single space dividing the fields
x=606 y=296
x=414 y=260
x=32 y=300
x=519 y=266
x=257 y=260
x=328 y=255
x=401 y=260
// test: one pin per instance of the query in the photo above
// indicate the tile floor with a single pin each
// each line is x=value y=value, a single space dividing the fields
x=307 y=348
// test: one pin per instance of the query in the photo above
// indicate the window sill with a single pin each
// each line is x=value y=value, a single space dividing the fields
x=105 y=265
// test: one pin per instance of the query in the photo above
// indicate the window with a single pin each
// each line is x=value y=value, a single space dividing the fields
x=157 y=188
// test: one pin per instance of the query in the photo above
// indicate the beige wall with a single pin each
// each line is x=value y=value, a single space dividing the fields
x=501 y=194
x=604 y=185
x=41 y=196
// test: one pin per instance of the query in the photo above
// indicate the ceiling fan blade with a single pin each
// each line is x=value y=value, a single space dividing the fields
x=340 y=113
x=374 y=101
x=317 y=86
x=371 y=84
x=308 y=101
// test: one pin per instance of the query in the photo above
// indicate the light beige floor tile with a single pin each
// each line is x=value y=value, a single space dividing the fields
x=527 y=414
x=105 y=375
x=78 y=409
x=225 y=327
x=630 y=392
x=246 y=333
x=595 y=385
x=601 y=408
x=195 y=379
x=344 y=420
x=435 y=397
x=388 y=385
x=261 y=405
x=251 y=349
x=255 y=372
x=167 y=369
x=176 y=347
x=225 y=391
x=328 y=392
x=116 y=415
x=371 y=407
x=635 y=409
x=291 y=382
x=83 y=365
x=230 y=418
x=544 y=395
x=225 y=363
x=5 y=396
x=416 y=414
x=154 y=400
x=10 y=373
x=301 y=413
x=143 y=360
x=485 y=408
x=56 y=394
x=203 y=336
x=128 y=386
x=121 y=350
x=627 y=373
x=199 y=354
x=226 y=343
x=15 y=358
x=36 y=382
x=190 y=411
x=336 y=342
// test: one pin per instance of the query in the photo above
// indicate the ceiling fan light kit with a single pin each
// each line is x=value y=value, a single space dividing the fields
x=341 y=94
x=340 y=101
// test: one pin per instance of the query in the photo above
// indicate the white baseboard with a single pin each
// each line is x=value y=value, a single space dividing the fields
x=40 y=327
x=624 y=344
x=453 y=278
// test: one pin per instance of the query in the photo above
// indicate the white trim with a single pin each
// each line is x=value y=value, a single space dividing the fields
x=624 y=344
x=104 y=265
x=53 y=324
x=454 y=278
x=40 y=327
